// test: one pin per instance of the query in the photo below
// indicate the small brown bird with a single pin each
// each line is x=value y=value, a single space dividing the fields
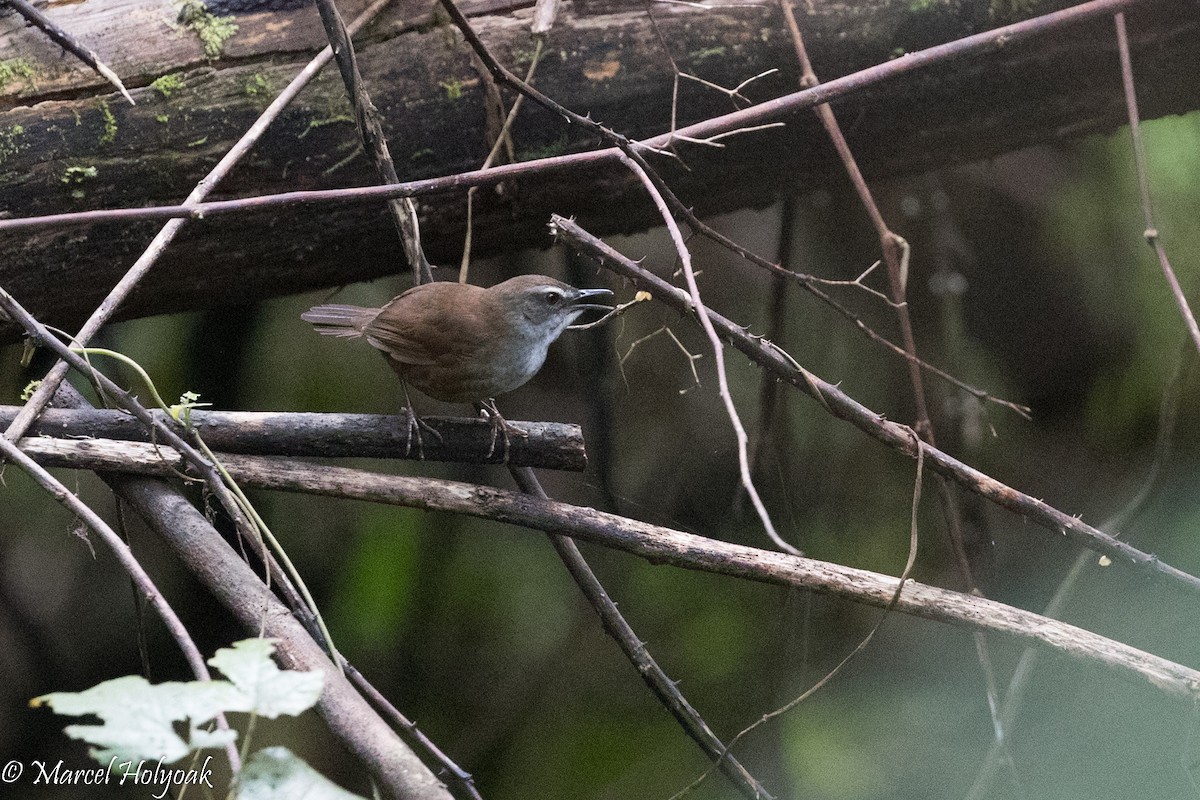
x=462 y=343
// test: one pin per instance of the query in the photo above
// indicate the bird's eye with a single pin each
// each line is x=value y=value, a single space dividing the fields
x=552 y=297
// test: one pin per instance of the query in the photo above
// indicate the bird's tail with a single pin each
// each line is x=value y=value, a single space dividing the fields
x=339 y=320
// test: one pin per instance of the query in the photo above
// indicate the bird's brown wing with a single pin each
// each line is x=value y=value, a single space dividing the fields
x=407 y=327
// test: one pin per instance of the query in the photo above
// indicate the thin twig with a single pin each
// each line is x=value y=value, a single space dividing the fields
x=860 y=283
x=894 y=248
x=768 y=387
x=1139 y=159
x=636 y=651
x=735 y=92
x=509 y=119
x=813 y=285
x=370 y=129
x=1015 y=691
x=691 y=357
x=69 y=43
x=718 y=349
x=464 y=779
x=913 y=541
x=896 y=254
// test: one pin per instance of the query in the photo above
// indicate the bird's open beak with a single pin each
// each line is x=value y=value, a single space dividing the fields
x=580 y=300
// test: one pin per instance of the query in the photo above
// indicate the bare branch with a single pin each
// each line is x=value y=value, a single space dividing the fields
x=548 y=445
x=370 y=130
x=464 y=779
x=664 y=545
x=638 y=654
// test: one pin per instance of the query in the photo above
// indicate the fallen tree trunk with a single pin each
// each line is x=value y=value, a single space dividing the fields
x=67 y=144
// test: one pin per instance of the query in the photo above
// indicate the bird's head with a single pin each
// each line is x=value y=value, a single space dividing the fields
x=545 y=306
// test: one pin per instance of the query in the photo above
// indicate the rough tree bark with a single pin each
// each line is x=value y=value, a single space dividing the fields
x=67 y=143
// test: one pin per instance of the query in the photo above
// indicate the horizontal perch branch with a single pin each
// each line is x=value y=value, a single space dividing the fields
x=652 y=542
x=547 y=445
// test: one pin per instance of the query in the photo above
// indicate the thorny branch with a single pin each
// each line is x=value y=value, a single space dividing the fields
x=639 y=655
x=842 y=406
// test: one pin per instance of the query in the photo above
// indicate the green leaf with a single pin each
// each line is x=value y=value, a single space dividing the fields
x=270 y=690
x=138 y=717
x=275 y=773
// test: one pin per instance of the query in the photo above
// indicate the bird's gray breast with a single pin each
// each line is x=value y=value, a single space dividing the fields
x=519 y=364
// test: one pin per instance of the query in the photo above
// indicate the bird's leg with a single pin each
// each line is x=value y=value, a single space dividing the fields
x=415 y=424
x=500 y=427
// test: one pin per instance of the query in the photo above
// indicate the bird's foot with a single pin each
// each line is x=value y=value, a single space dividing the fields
x=500 y=428
x=415 y=424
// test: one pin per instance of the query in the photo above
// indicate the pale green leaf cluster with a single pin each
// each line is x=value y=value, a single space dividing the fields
x=138 y=718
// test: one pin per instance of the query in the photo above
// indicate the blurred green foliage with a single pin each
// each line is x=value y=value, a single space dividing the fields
x=1097 y=224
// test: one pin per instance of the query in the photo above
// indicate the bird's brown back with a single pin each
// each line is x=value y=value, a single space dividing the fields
x=443 y=338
